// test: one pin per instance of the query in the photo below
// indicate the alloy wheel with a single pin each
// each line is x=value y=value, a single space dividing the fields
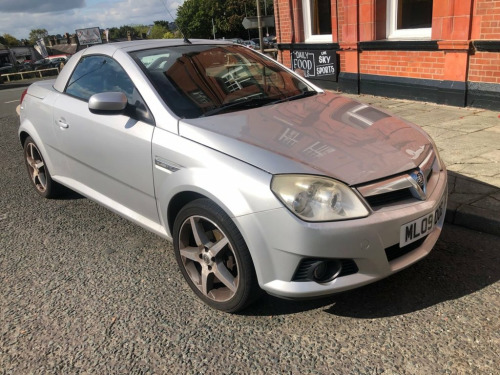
x=36 y=167
x=208 y=258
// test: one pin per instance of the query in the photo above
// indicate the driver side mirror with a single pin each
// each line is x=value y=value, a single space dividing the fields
x=113 y=102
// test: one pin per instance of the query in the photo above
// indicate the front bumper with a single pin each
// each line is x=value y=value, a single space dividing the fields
x=278 y=242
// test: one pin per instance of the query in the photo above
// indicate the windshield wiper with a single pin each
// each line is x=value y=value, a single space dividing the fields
x=256 y=102
x=303 y=94
x=240 y=104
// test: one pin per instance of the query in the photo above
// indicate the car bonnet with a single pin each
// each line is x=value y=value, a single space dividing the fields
x=325 y=134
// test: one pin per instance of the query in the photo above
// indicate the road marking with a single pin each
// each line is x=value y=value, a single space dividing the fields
x=12 y=101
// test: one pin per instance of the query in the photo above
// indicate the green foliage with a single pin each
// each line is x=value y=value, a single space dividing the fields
x=195 y=17
x=163 y=23
x=36 y=34
x=172 y=35
x=9 y=41
x=158 y=31
x=121 y=32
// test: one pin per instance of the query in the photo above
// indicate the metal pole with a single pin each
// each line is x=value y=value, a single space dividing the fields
x=259 y=23
x=213 y=27
x=246 y=15
x=265 y=13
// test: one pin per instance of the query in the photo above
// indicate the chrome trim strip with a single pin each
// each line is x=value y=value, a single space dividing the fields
x=386 y=186
x=167 y=165
x=426 y=165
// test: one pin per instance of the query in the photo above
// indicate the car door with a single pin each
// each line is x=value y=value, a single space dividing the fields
x=107 y=156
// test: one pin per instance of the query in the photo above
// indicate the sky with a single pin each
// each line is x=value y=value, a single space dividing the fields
x=19 y=17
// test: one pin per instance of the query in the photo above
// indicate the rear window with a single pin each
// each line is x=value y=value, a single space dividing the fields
x=194 y=80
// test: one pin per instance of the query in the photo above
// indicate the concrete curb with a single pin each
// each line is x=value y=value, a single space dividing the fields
x=474 y=218
x=473 y=204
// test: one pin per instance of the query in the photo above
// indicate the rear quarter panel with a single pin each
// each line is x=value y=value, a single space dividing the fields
x=36 y=120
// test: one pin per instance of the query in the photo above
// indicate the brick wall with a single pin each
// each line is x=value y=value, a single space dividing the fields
x=340 y=17
x=455 y=24
x=484 y=67
x=486 y=20
x=414 y=64
x=367 y=18
x=283 y=21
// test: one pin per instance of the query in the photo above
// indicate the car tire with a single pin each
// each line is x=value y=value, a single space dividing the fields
x=38 y=172
x=213 y=257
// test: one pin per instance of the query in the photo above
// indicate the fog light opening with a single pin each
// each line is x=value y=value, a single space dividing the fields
x=324 y=271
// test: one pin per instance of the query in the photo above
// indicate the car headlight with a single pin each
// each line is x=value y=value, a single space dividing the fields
x=315 y=198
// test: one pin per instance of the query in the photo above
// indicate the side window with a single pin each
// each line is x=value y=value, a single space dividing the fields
x=96 y=74
x=409 y=19
x=317 y=20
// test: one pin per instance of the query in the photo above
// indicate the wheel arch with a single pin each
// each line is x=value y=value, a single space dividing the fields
x=177 y=202
x=28 y=129
x=22 y=137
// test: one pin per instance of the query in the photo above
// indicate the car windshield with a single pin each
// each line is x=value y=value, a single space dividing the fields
x=204 y=80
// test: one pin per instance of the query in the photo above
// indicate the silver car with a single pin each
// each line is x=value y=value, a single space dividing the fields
x=261 y=180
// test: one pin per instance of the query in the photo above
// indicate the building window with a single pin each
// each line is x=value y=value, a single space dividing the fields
x=409 y=19
x=317 y=20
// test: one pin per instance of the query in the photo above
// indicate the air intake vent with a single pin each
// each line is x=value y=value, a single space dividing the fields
x=395 y=251
x=349 y=267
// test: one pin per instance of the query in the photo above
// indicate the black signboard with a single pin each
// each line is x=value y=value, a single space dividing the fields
x=316 y=64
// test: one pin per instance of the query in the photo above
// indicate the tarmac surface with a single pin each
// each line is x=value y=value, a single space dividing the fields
x=468 y=140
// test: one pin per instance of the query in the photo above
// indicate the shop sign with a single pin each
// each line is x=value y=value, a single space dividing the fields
x=316 y=64
x=91 y=35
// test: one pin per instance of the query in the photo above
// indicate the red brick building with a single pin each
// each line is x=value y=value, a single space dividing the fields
x=446 y=51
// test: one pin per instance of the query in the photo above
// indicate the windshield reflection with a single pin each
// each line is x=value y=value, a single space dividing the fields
x=198 y=79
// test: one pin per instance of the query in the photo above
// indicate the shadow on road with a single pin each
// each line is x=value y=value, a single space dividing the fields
x=462 y=262
x=68 y=194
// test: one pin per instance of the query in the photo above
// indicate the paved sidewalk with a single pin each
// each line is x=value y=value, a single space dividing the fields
x=468 y=140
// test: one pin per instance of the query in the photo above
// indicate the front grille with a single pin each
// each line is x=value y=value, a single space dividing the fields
x=387 y=198
x=402 y=187
x=349 y=267
x=395 y=251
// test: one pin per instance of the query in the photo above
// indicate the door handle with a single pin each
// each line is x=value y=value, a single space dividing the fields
x=62 y=124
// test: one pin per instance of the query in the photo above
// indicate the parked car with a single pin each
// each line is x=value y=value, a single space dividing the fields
x=236 y=40
x=25 y=66
x=6 y=68
x=260 y=179
x=250 y=44
x=43 y=64
x=270 y=41
x=256 y=41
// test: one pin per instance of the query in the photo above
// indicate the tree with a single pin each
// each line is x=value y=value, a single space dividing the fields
x=158 y=31
x=36 y=34
x=121 y=32
x=194 y=17
x=163 y=23
x=10 y=41
x=172 y=35
x=198 y=18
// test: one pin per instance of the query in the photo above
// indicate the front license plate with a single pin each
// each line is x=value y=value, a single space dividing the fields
x=421 y=227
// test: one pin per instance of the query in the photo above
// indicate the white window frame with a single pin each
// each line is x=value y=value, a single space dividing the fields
x=308 y=35
x=392 y=24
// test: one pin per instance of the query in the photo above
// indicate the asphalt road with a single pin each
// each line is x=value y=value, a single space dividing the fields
x=84 y=291
x=9 y=100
